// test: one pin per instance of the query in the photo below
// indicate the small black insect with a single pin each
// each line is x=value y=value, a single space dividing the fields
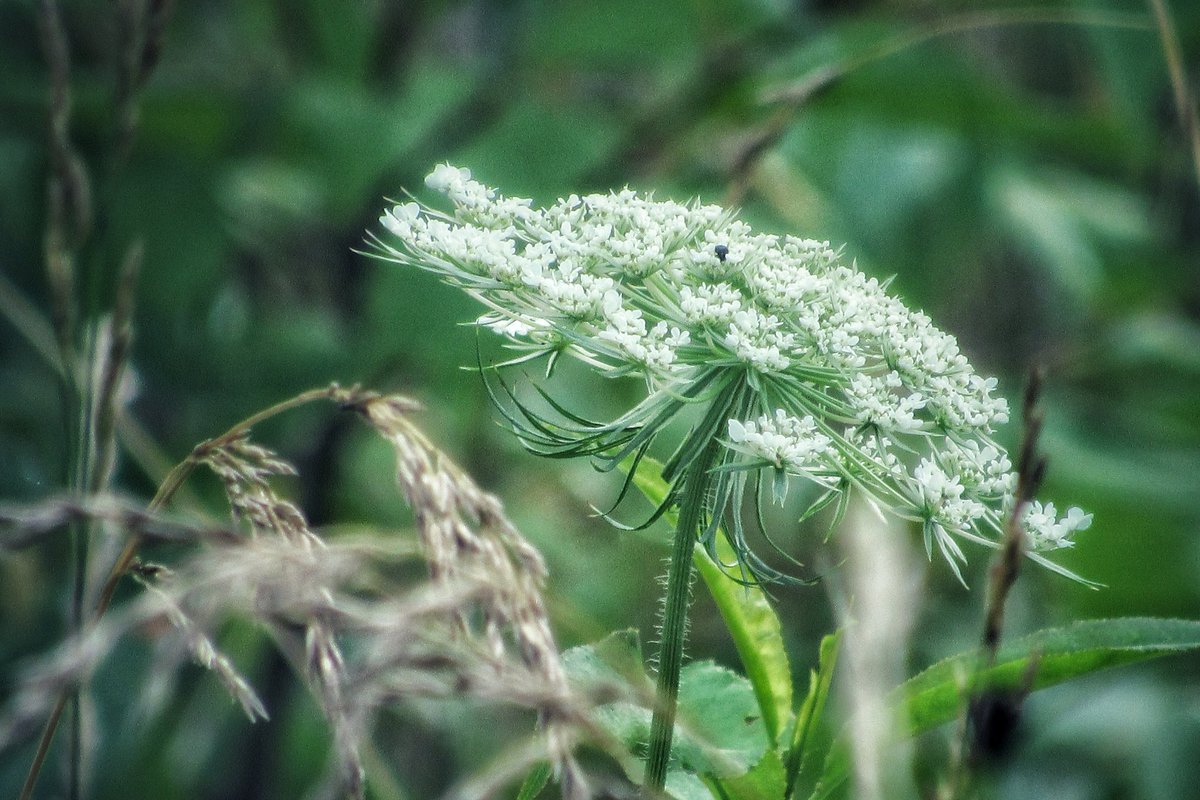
x=721 y=251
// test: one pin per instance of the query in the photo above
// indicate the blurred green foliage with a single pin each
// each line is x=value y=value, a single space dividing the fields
x=1026 y=177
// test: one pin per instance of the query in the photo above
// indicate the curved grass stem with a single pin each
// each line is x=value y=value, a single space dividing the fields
x=166 y=491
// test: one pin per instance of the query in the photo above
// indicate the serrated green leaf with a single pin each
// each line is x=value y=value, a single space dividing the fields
x=747 y=613
x=934 y=696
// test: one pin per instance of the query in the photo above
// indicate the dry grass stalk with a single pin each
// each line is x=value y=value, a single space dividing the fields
x=476 y=629
x=141 y=26
x=408 y=642
x=109 y=385
x=68 y=190
x=466 y=534
x=263 y=579
x=202 y=648
x=27 y=526
x=246 y=471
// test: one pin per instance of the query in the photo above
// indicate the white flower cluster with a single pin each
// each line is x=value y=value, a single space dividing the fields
x=783 y=442
x=1047 y=531
x=945 y=506
x=882 y=401
x=848 y=382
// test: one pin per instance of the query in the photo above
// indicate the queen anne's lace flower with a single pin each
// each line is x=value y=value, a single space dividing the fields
x=885 y=403
x=758 y=340
x=811 y=367
x=712 y=304
x=1047 y=531
x=782 y=441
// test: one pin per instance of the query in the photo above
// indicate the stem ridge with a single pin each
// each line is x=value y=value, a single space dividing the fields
x=674 y=625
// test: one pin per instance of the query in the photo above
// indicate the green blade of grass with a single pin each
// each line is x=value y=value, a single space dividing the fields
x=801 y=758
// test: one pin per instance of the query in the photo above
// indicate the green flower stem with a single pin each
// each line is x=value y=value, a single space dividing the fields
x=674 y=631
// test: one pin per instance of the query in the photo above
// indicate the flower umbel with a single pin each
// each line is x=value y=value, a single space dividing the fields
x=795 y=363
x=805 y=366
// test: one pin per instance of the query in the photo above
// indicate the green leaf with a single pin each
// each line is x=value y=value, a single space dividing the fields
x=766 y=781
x=614 y=661
x=802 y=755
x=535 y=781
x=719 y=725
x=687 y=786
x=935 y=696
x=748 y=615
x=719 y=729
x=614 y=666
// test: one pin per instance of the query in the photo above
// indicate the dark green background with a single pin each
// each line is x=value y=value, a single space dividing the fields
x=1029 y=185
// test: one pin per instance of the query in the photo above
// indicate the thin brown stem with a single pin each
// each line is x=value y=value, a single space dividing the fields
x=39 y=758
x=1031 y=468
x=1185 y=104
x=166 y=491
x=183 y=470
x=989 y=709
x=793 y=96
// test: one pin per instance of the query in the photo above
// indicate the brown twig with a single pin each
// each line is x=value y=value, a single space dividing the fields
x=793 y=96
x=1185 y=104
x=992 y=712
x=1031 y=469
x=142 y=26
x=68 y=191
